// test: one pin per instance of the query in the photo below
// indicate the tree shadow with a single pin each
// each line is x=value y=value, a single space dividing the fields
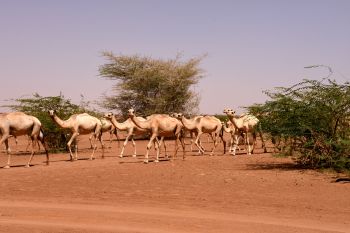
x=276 y=166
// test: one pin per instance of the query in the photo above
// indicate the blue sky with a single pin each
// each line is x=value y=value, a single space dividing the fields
x=50 y=47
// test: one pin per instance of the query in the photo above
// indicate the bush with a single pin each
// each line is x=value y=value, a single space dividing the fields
x=310 y=121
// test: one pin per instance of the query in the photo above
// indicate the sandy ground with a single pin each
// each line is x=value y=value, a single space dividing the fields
x=221 y=193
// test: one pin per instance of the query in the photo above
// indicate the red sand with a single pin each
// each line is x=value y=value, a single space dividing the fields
x=221 y=193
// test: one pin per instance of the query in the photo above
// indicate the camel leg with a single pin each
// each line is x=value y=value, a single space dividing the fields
x=162 y=140
x=201 y=150
x=28 y=144
x=36 y=131
x=43 y=142
x=76 y=146
x=223 y=142
x=34 y=144
x=149 y=146
x=116 y=135
x=94 y=148
x=102 y=145
x=125 y=143
x=215 y=144
x=234 y=141
x=182 y=141
x=254 y=143
x=134 y=145
x=248 y=145
x=157 y=146
x=110 y=139
x=90 y=140
x=8 y=151
x=176 y=148
x=191 y=149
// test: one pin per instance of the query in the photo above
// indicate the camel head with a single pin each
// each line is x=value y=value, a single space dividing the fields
x=52 y=113
x=229 y=111
x=131 y=112
x=108 y=115
x=177 y=115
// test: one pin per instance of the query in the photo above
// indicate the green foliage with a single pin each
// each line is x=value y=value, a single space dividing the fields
x=221 y=117
x=39 y=106
x=150 y=85
x=310 y=120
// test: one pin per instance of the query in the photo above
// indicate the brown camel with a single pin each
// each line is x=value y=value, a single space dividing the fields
x=80 y=124
x=204 y=124
x=160 y=125
x=246 y=123
x=17 y=124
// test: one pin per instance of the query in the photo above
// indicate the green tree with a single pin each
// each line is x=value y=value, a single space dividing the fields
x=39 y=106
x=311 y=121
x=151 y=85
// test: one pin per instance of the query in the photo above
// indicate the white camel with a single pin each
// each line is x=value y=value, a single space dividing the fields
x=203 y=124
x=80 y=124
x=129 y=127
x=235 y=135
x=17 y=124
x=160 y=125
x=132 y=130
x=107 y=126
x=247 y=123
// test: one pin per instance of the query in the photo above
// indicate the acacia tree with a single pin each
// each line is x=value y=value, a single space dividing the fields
x=151 y=85
x=311 y=121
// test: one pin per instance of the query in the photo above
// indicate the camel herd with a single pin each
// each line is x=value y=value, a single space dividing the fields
x=157 y=126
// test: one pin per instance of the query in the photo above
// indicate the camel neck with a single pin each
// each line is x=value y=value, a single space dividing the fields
x=60 y=122
x=141 y=124
x=118 y=125
x=189 y=124
x=236 y=122
x=226 y=129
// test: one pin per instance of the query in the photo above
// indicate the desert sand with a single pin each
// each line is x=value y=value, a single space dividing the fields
x=221 y=193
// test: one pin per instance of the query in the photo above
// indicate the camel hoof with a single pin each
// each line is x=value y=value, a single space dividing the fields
x=7 y=167
x=145 y=161
x=134 y=156
x=27 y=165
x=156 y=161
x=120 y=156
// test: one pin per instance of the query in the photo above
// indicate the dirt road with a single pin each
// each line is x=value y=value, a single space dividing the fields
x=221 y=193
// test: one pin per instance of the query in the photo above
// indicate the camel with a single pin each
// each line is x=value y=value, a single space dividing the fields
x=235 y=135
x=203 y=124
x=246 y=123
x=80 y=124
x=107 y=126
x=17 y=124
x=128 y=126
x=132 y=130
x=160 y=125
